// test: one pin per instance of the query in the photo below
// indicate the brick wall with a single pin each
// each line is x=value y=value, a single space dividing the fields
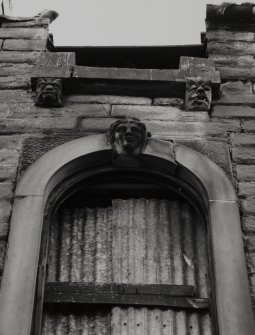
x=231 y=122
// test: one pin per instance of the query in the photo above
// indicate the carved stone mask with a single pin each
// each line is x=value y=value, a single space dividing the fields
x=48 y=92
x=128 y=136
x=198 y=94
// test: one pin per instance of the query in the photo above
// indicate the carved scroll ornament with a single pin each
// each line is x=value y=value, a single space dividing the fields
x=198 y=94
x=49 y=92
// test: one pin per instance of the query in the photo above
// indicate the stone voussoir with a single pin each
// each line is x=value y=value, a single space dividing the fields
x=24 y=33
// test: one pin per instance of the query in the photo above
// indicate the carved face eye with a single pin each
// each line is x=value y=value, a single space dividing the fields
x=135 y=130
x=207 y=88
x=122 y=129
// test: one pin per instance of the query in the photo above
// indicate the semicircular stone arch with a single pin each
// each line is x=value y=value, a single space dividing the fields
x=232 y=295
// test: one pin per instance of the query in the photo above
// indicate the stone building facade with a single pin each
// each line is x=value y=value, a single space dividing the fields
x=94 y=98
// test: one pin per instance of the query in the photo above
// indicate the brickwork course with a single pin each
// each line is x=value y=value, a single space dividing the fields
x=231 y=121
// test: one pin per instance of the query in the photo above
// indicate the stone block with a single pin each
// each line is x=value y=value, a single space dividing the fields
x=247 y=190
x=96 y=125
x=248 y=224
x=250 y=243
x=69 y=110
x=245 y=172
x=244 y=155
x=175 y=102
x=24 y=33
x=226 y=35
x=238 y=61
x=3 y=246
x=28 y=23
x=18 y=56
x=242 y=140
x=237 y=87
x=57 y=59
x=158 y=113
x=40 y=124
x=230 y=99
x=236 y=73
x=7 y=69
x=231 y=48
x=4 y=230
x=6 y=190
x=24 y=45
x=5 y=210
x=7 y=83
x=1 y=44
x=15 y=96
x=108 y=99
x=252 y=262
x=233 y=112
x=249 y=126
x=248 y=206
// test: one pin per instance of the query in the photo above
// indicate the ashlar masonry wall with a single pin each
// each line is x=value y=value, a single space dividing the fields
x=26 y=131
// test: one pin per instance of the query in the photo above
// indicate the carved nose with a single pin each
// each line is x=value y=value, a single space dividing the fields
x=49 y=88
x=200 y=90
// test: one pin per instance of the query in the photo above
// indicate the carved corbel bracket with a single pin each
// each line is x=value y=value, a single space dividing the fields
x=127 y=137
x=49 y=92
x=198 y=96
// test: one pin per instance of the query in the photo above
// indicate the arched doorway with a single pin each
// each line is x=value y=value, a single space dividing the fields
x=202 y=177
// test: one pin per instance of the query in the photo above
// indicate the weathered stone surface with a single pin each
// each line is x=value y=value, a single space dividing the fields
x=247 y=190
x=18 y=56
x=158 y=113
x=1 y=44
x=41 y=124
x=245 y=172
x=237 y=87
x=24 y=33
x=231 y=48
x=28 y=23
x=236 y=73
x=248 y=224
x=24 y=45
x=108 y=99
x=57 y=59
x=4 y=230
x=233 y=112
x=5 y=210
x=15 y=96
x=52 y=71
x=7 y=83
x=244 y=155
x=242 y=61
x=25 y=110
x=6 y=190
x=7 y=69
x=252 y=262
x=168 y=102
x=35 y=147
x=3 y=246
x=8 y=172
x=248 y=206
x=242 y=140
x=226 y=35
x=250 y=243
x=236 y=99
x=249 y=126
x=171 y=129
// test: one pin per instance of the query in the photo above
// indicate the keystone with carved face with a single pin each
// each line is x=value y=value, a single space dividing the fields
x=48 y=92
x=198 y=94
x=128 y=137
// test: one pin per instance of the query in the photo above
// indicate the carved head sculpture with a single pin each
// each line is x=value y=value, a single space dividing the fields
x=198 y=94
x=48 y=92
x=128 y=136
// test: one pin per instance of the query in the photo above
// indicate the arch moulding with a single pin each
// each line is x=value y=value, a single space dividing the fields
x=232 y=295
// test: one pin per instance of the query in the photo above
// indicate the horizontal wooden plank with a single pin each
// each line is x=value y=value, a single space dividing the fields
x=124 y=294
x=151 y=289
